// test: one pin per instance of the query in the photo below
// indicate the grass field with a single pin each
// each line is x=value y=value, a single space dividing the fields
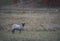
x=30 y=36
x=31 y=19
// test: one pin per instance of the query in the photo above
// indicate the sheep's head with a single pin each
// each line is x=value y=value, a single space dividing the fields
x=23 y=24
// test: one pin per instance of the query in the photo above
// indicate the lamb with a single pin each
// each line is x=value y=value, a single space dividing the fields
x=18 y=27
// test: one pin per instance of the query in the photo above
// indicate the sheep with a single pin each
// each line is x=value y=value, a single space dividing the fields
x=18 y=27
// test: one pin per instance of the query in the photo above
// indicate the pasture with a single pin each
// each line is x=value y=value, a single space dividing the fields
x=33 y=31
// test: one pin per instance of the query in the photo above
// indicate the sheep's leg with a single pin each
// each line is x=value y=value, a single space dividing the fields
x=13 y=30
x=20 y=30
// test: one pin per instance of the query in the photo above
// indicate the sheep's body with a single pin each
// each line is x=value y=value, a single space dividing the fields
x=18 y=27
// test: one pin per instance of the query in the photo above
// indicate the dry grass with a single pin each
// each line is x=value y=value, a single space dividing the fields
x=30 y=36
x=33 y=21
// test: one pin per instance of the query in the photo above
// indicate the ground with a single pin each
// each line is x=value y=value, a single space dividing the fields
x=30 y=36
x=37 y=21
